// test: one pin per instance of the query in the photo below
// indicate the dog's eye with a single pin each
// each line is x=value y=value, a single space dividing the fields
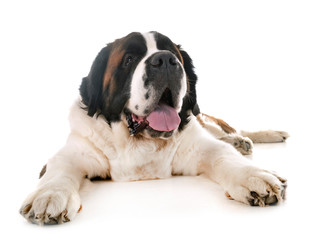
x=128 y=59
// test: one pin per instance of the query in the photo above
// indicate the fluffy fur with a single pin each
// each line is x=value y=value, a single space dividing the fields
x=100 y=144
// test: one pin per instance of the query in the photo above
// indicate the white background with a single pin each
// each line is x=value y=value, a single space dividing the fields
x=257 y=63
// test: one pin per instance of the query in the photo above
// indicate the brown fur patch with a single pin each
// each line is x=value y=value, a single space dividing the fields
x=200 y=120
x=160 y=143
x=177 y=49
x=80 y=209
x=43 y=171
x=114 y=61
x=228 y=196
x=225 y=127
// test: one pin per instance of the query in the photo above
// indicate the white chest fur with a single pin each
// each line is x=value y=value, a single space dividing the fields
x=129 y=158
x=140 y=159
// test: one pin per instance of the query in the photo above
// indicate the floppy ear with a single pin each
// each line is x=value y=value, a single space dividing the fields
x=91 y=89
x=190 y=100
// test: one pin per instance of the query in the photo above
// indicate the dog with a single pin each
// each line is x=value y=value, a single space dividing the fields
x=137 y=118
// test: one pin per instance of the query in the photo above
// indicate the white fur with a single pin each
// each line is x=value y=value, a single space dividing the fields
x=95 y=149
x=137 y=84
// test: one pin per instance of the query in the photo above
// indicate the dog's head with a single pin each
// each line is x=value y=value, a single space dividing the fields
x=145 y=78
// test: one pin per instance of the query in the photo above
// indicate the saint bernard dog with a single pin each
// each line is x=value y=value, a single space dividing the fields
x=137 y=118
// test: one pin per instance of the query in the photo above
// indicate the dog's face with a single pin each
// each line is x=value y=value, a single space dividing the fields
x=147 y=80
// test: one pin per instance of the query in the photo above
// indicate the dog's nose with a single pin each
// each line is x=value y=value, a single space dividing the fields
x=163 y=60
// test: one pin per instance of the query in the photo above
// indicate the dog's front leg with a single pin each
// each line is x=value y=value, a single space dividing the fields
x=56 y=199
x=240 y=178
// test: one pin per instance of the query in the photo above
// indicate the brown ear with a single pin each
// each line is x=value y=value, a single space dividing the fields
x=91 y=89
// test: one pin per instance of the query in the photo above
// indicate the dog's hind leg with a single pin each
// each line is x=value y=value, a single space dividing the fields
x=221 y=130
x=268 y=136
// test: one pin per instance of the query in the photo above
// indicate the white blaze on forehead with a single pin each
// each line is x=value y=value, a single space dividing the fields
x=151 y=43
x=137 y=102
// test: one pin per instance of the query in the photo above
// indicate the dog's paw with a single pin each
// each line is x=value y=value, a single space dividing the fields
x=259 y=188
x=278 y=136
x=242 y=144
x=51 y=206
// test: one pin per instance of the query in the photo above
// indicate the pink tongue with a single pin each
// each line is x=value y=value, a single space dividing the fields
x=164 y=118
